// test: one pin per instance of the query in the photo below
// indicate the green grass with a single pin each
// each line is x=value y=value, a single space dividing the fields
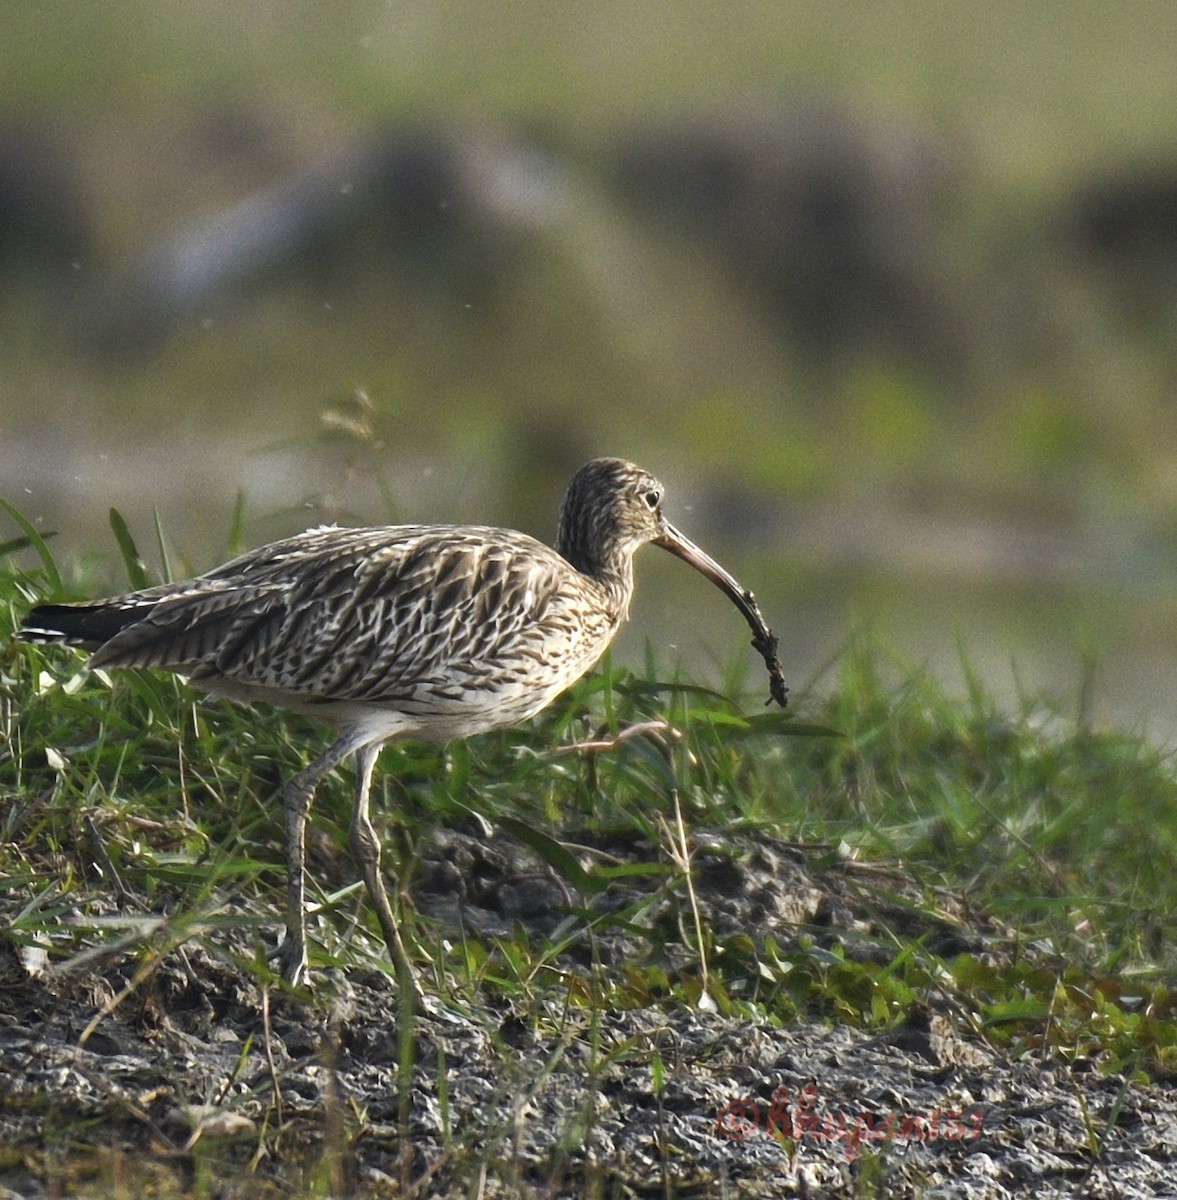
x=124 y=799
x=137 y=820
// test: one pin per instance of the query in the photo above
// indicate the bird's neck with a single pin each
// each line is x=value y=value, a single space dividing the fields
x=616 y=581
x=612 y=573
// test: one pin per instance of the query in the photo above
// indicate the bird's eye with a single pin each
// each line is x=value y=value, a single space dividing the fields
x=652 y=499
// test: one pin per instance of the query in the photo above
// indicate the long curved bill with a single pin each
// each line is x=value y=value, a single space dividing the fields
x=764 y=641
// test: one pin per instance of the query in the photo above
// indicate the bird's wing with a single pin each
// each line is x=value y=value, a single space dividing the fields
x=372 y=614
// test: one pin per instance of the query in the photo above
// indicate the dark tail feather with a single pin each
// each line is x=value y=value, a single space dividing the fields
x=86 y=625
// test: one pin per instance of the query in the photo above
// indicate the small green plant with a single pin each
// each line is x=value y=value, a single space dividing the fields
x=1012 y=870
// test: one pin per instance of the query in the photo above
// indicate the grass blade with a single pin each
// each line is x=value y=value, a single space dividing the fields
x=783 y=725
x=555 y=855
x=235 y=543
x=37 y=541
x=164 y=558
x=136 y=571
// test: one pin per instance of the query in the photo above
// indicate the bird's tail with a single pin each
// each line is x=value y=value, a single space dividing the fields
x=85 y=625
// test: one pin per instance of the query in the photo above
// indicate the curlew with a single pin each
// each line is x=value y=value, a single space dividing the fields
x=412 y=631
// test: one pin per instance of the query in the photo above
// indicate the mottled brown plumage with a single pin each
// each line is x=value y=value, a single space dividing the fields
x=429 y=632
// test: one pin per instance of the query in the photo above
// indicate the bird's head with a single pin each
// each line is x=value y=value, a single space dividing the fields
x=611 y=508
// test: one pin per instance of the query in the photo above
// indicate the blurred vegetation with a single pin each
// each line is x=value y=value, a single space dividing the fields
x=885 y=292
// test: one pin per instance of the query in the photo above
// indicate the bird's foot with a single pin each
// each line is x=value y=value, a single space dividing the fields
x=291 y=955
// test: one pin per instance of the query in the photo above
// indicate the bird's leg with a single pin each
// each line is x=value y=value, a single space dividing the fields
x=365 y=849
x=296 y=803
x=296 y=800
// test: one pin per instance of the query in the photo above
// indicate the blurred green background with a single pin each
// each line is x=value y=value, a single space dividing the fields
x=885 y=292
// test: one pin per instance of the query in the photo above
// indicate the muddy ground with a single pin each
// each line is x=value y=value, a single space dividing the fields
x=198 y=1081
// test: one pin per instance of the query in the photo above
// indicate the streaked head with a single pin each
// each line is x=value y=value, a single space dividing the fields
x=611 y=509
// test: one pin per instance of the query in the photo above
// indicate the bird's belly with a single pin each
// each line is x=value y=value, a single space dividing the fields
x=439 y=706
